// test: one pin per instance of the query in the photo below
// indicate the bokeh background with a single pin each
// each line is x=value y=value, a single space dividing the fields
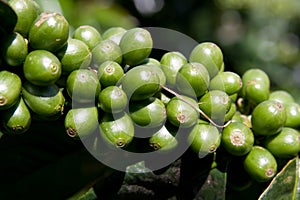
x=251 y=33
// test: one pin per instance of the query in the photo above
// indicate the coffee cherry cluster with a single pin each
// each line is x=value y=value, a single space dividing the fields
x=109 y=85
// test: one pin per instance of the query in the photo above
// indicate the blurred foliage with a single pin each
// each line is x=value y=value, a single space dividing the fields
x=268 y=38
x=251 y=33
x=101 y=14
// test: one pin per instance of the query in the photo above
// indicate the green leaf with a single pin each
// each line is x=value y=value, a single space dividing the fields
x=285 y=184
x=215 y=186
x=7 y=13
x=86 y=194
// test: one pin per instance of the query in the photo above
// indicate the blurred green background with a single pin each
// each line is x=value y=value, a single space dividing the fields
x=251 y=33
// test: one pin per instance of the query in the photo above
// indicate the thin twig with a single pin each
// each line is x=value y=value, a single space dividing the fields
x=195 y=107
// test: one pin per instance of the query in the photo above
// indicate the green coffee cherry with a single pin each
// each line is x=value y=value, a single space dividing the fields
x=282 y=96
x=163 y=97
x=292 y=114
x=117 y=130
x=268 y=118
x=256 y=87
x=222 y=67
x=292 y=108
x=239 y=117
x=81 y=122
x=229 y=82
x=114 y=33
x=171 y=62
x=229 y=115
x=27 y=11
x=255 y=92
x=15 y=49
x=109 y=73
x=75 y=55
x=260 y=164
x=192 y=79
x=163 y=140
x=158 y=70
x=87 y=34
x=210 y=55
x=204 y=139
x=182 y=113
x=255 y=74
x=148 y=113
x=83 y=86
x=112 y=99
x=50 y=31
x=237 y=138
x=146 y=82
x=215 y=104
x=106 y=50
x=42 y=68
x=10 y=89
x=136 y=45
x=234 y=97
x=151 y=62
x=44 y=101
x=16 y=119
x=285 y=144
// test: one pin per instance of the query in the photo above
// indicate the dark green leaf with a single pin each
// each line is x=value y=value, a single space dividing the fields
x=214 y=187
x=285 y=184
